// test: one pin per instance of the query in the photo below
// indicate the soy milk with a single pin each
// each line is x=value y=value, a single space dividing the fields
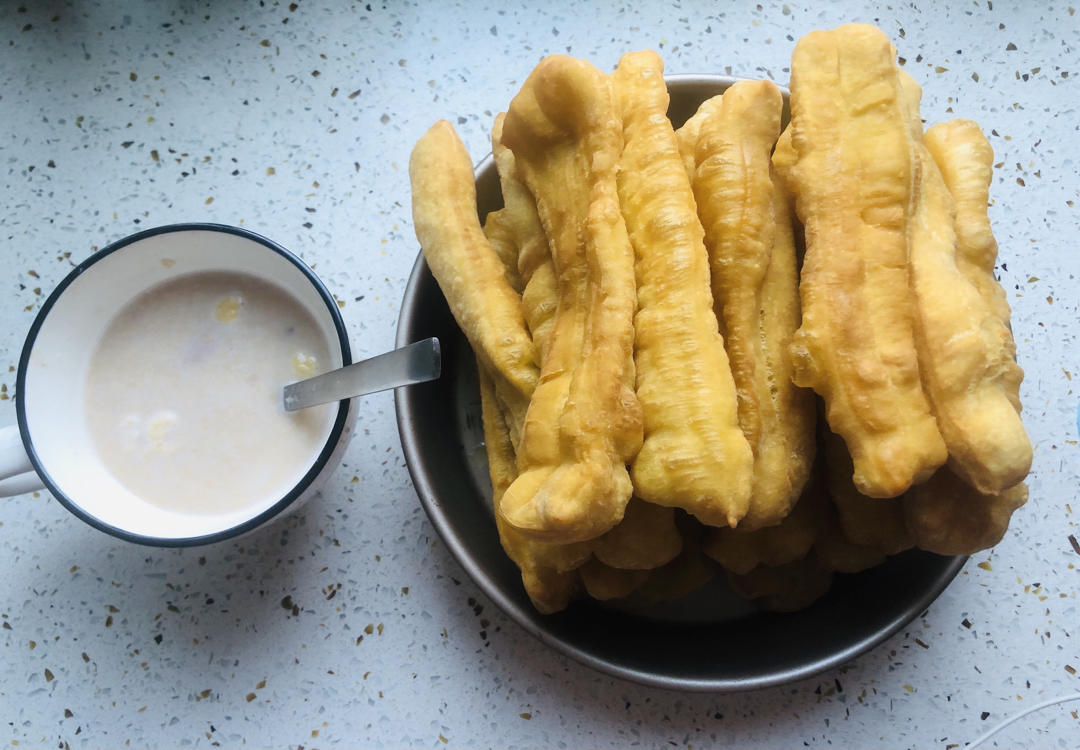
x=183 y=394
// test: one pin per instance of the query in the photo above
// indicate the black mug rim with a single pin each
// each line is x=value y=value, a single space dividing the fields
x=286 y=500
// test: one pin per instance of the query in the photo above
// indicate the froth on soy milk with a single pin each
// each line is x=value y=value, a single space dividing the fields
x=183 y=396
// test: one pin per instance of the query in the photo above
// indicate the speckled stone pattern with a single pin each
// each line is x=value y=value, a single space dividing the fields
x=349 y=624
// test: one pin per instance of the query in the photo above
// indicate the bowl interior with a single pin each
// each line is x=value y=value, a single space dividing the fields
x=57 y=355
x=710 y=640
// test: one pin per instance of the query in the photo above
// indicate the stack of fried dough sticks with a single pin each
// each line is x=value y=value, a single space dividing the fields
x=649 y=346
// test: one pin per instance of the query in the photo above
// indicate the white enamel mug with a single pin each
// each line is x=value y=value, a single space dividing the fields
x=51 y=447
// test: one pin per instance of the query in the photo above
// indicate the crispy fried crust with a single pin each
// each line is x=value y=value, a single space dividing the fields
x=791 y=539
x=533 y=264
x=853 y=182
x=866 y=521
x=499 y=233
x=785 y=455
x=966 y=158
x=755 y=290
x=645 y=538
x=502 y=466
x=584 y=421
x=784 y=588
x=949 y=517
x=963 y=346
x=836 y=552
x=468 y=269
x=694 y=456
x=784 y=156
x=603 y=582
x=546 y=570
x=687 y=135
x=689 y=571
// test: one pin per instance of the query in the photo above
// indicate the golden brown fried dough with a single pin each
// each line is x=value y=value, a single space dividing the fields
x=467 y=268
x=785 y=588
x=853 y=181
x=689 y=571
x=644 y=539
x=499 y=233
x=539 y=302
x=603 y=582
x=784 y=156
x=687 y=135
x=741 y=551
x=783 y=159
x=546 y=570
x=584 y=422
x=963 y=346
x=694 y=456
x=734 y=195
x=789 y=416
x=646 y=536
x=965 y=158
x=868 y=521
x=949 y=517
x=755 y=290
x=519 y=206
x=539 y=296
x=502 y=466
x=834 y=551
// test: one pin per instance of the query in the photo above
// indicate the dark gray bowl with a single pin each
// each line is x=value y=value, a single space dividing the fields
x=711 y=641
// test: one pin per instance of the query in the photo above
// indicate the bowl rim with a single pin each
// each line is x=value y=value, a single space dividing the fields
x=408 y=414
x=299 y=486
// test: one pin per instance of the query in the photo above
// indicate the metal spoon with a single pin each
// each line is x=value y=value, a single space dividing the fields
x=409 y=365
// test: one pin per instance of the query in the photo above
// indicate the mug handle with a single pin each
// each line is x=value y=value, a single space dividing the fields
x=16 y=471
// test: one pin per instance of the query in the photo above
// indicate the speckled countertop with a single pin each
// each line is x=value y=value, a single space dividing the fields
x=349 y=624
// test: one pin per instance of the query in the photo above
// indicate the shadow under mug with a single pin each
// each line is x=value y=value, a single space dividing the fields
x=51 y=447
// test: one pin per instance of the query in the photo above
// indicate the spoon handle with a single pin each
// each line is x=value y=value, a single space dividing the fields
x=415 y=363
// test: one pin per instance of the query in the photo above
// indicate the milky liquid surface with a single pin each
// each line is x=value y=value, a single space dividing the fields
x=184 y=393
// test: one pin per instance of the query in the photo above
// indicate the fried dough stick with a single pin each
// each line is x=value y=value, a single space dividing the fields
x=949 y=517
x=784 y=588
x=691 y=129
x=966 y=160
x=500 y=234
x=468 y=270
x=584 y=422
x=687 y=571
x=741 y=551
x=644 y=539
x=963 y=346
x=532 y=263
x=755 y=290
x=694 y=456
x=603 y=582
x=784 y=156
x=836 y=552
x=853 y=185
x=547 y=571
x=865 y=521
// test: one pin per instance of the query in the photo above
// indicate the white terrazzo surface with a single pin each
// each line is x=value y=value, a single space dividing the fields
x=297 y=121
